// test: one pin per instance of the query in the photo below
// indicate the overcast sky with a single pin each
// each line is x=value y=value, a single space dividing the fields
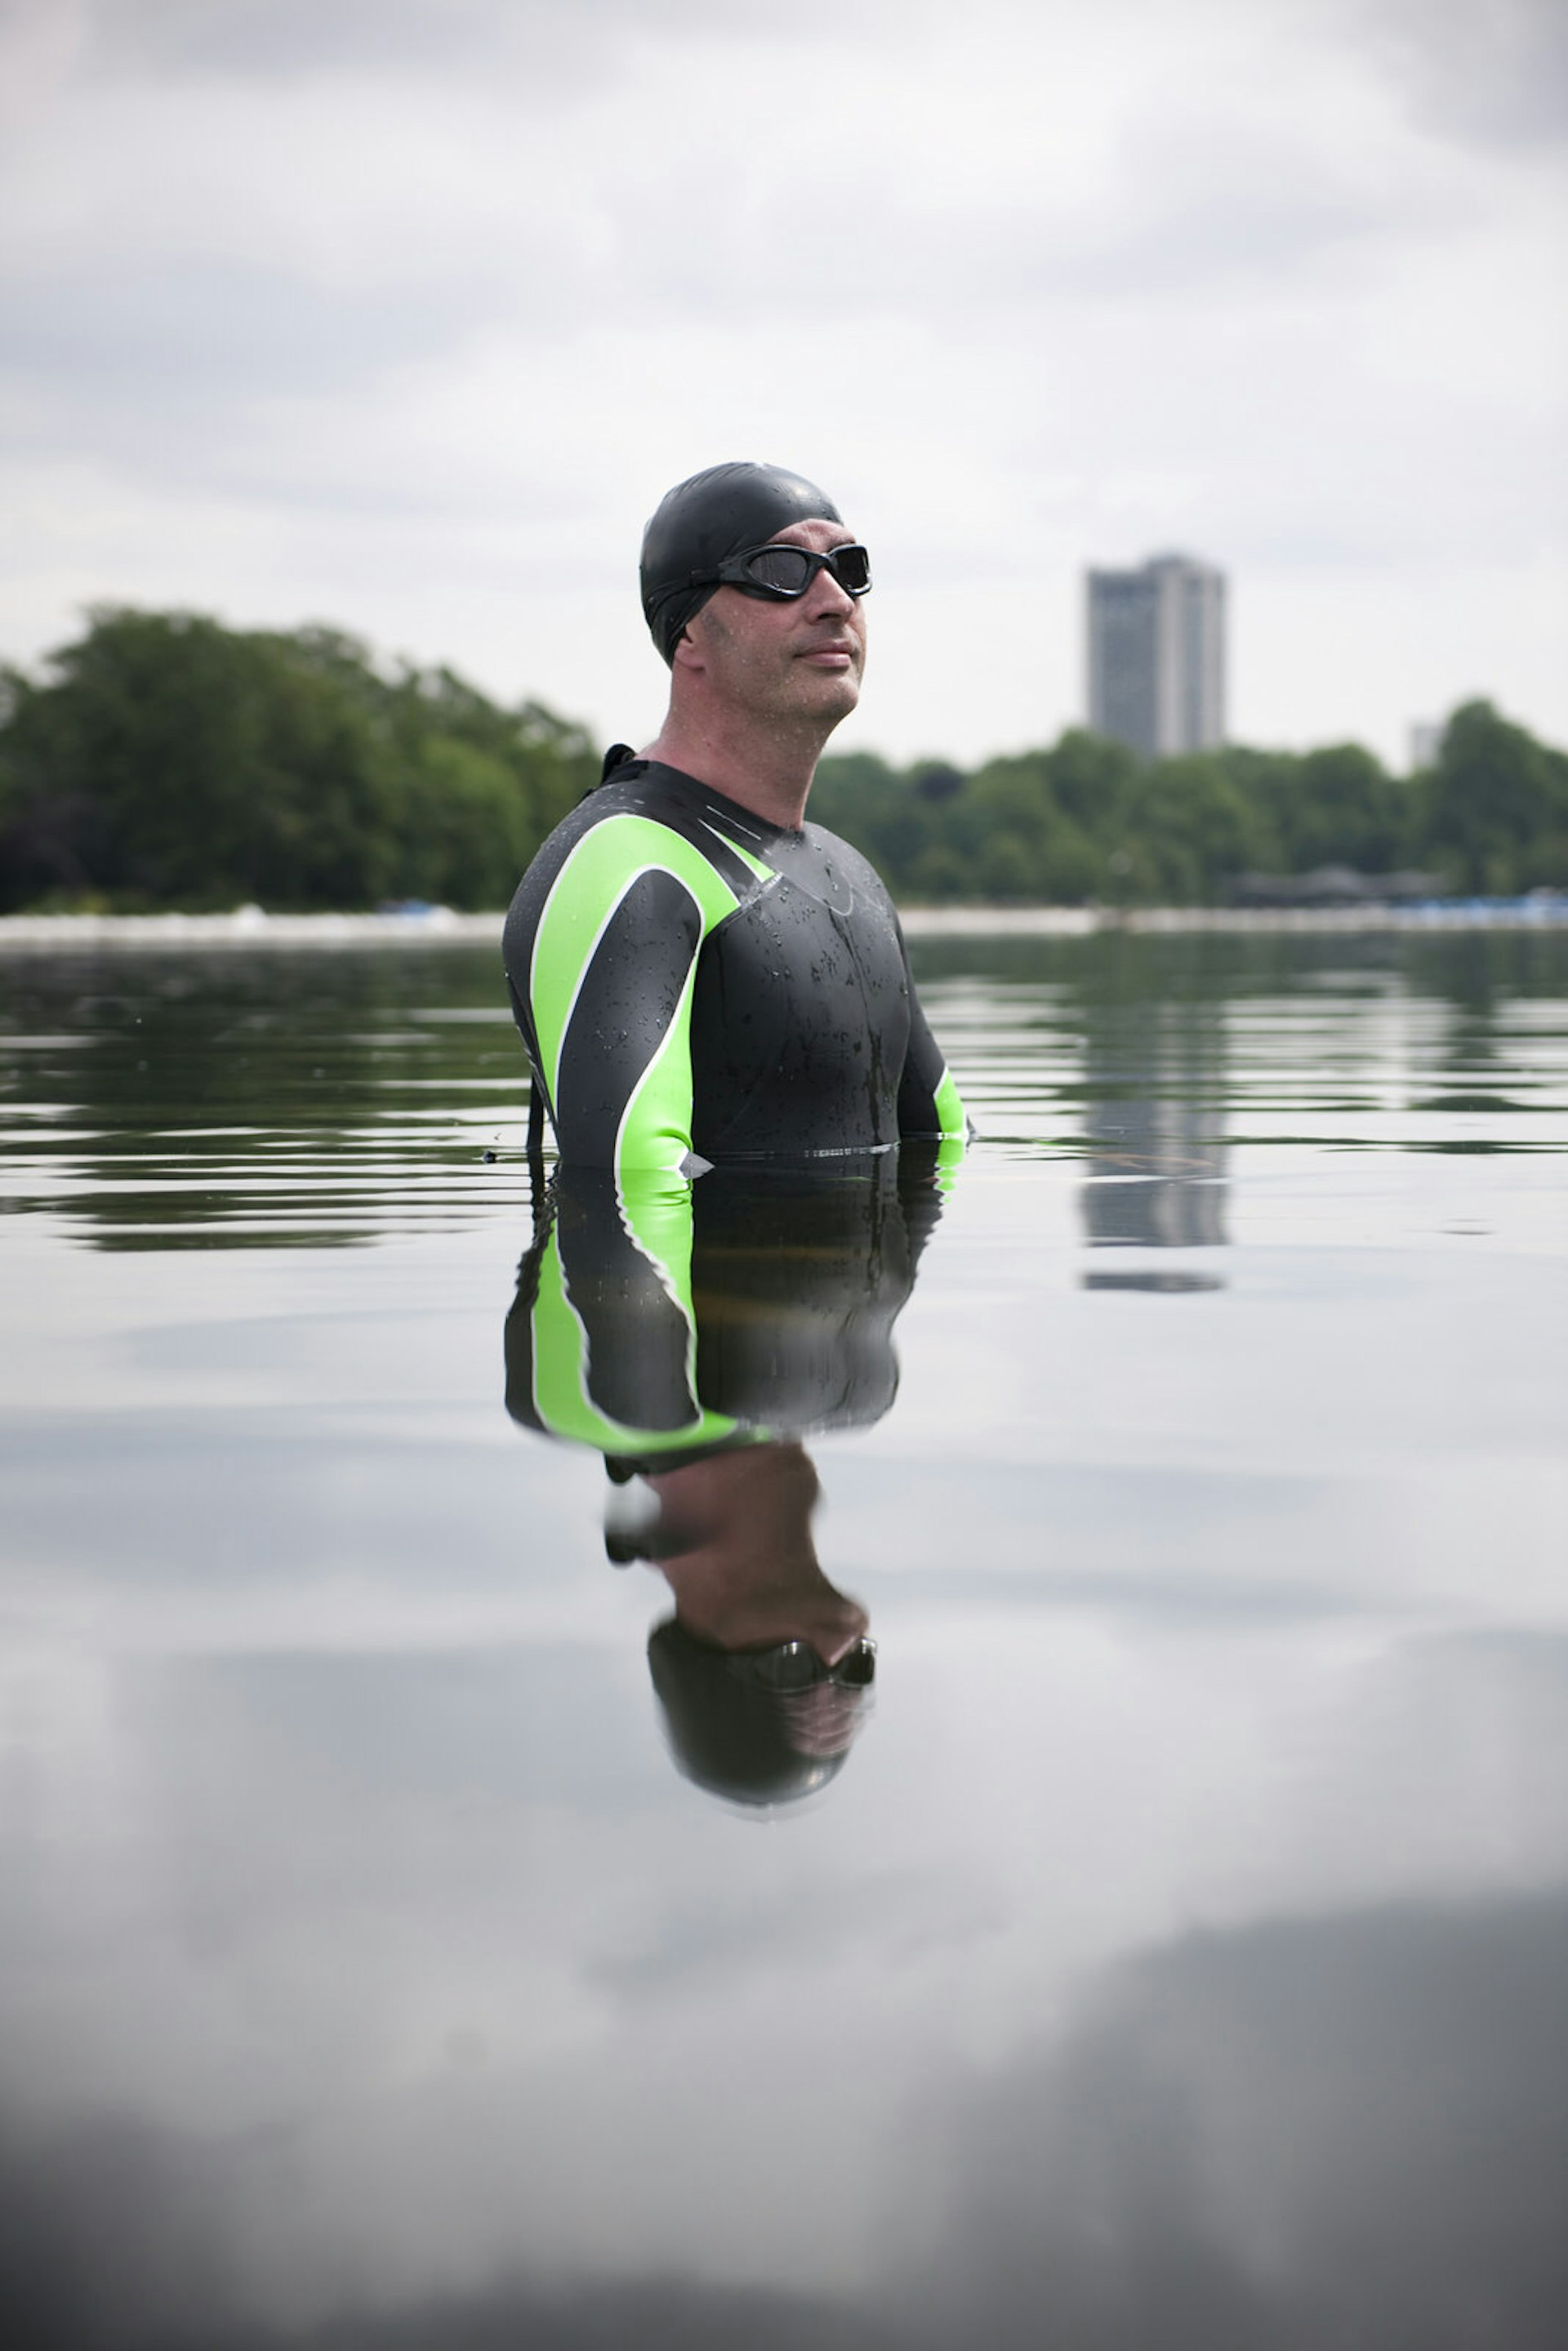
x=403 y=314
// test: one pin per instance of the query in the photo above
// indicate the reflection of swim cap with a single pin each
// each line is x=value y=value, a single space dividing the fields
x=714 y=515
x=727 y=1733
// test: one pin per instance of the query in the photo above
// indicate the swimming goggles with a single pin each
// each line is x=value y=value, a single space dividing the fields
x=786 y=573
x=792 y=1665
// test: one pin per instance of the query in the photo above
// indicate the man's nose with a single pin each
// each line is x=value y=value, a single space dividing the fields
x=826 y=598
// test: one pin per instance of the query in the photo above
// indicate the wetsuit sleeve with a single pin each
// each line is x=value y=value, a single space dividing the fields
x=600 y=1341
x=609 y=993
x=928 y=1101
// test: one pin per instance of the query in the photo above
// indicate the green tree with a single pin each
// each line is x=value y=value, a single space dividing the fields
x=1026 y=844
x=1493 y=811
x=1338 y=806
x=172 y=762
x=165 y=760
x=1195 y=828
x=1092 y=780
x=1350 y=812
x=465 y=827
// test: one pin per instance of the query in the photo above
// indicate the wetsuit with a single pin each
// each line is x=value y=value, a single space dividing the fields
x=658 y=1319
x=698 y=986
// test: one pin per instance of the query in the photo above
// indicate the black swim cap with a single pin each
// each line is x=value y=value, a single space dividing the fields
x=714 y=515
x=734 y=1738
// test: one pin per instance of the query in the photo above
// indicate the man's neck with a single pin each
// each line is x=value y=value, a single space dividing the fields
x=768 y=771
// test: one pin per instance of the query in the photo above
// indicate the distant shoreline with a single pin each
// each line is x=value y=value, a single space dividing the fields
x=249 y=927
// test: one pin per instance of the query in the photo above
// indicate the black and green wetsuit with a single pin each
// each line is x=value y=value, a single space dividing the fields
x=658 y=1319
x=694 y=985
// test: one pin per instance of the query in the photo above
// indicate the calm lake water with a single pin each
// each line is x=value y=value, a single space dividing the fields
x=1171 y=1948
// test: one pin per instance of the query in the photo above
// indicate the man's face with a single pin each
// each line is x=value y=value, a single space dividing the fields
x=782 y=661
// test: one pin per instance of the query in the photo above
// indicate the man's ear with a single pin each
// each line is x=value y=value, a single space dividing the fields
x=688 y=653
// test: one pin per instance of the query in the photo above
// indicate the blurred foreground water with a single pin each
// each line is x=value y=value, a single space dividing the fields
x=1178 y=1954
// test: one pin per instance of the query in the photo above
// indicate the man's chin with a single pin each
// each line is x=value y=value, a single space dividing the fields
x=833 y=693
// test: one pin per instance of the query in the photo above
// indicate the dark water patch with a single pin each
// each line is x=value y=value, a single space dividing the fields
x=347 y=1108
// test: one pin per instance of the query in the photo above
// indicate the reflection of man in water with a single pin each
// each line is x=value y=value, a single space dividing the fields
x=693 y=1332
x=764 y=1669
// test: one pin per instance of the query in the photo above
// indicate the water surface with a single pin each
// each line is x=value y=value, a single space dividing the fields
x=1178 y=1954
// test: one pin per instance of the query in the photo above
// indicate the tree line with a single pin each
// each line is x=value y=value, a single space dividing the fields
x=166 y=761
x=163 y=760
x=1088 y=821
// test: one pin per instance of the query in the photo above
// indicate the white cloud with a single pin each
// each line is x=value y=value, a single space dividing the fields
x=406 y=316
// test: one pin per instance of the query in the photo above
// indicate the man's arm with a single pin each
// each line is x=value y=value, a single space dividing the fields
x=928 y=1101
x=602 y=956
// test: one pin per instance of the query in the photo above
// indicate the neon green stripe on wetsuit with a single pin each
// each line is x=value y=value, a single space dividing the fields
x=601 y=1345
x=566 y=1385
x=696 y=984
x=952 y=1119
x=593 y=887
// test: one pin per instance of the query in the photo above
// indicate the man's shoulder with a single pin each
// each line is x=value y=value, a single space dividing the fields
x=636 y=792
x=643 y=789
x=641 y=816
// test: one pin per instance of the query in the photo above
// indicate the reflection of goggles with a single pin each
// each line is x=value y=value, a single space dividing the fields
x=792 y=1665
x=786 y=573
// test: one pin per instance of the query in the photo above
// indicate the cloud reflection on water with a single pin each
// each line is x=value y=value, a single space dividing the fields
x=1177 y=1962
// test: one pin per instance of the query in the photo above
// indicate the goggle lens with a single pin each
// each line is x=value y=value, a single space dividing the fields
x=789 y=571
x=795 y=1666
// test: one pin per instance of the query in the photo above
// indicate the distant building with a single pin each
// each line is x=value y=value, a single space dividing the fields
x=1425 y=742
x=1156 y=656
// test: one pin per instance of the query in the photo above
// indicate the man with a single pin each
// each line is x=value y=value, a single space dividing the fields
x=700 y=975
